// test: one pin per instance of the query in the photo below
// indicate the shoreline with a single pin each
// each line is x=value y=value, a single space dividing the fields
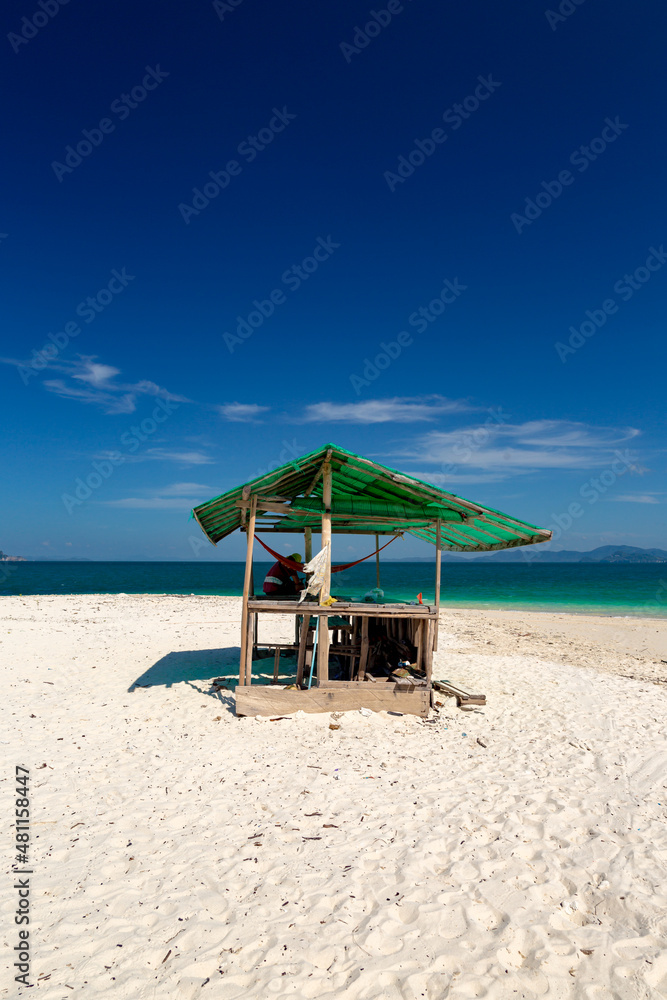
x=518 y=608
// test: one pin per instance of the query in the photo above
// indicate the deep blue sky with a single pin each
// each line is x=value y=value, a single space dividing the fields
x=480 y=399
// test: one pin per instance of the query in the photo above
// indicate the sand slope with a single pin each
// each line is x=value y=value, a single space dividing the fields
x=183 y=852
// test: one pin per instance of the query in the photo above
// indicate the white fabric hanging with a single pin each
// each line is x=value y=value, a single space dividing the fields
x=318 y=568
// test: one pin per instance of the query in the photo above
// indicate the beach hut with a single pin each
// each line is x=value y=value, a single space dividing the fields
x=380 y=652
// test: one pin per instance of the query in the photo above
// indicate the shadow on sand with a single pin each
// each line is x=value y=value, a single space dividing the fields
x=212 y=672
x=191 y=665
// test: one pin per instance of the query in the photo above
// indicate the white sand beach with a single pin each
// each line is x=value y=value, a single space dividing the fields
x=513 y=851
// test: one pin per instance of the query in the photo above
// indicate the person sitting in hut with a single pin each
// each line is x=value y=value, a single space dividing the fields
x=281 y=581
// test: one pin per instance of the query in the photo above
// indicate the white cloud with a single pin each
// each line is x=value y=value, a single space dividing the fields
x=638 y=498
x=242 y=413
x=398 y=409
x=155 y=503
x=159 y=455
x=183 y=489
x=176 y=496
x=89 y=381
x=95 y=373
x=449 y=479
x=499 y=450
x=180 y=457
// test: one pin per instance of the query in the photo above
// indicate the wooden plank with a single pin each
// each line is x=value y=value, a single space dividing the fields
x=272 y=606
x=246 y=589
x=344 y=529
x=463 y=696
x=353 y=685
x=276 y=663
x=251 y=701
x=294 y=646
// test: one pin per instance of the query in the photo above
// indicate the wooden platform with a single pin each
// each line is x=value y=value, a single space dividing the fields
x=287 y=606
x=258 y=700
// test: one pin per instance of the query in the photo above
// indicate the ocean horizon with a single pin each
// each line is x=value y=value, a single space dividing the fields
x=590 y=588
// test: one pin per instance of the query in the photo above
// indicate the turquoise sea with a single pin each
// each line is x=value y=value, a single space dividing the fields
x=610 y=589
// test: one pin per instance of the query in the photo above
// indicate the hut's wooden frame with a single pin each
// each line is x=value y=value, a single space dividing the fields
x=422 y=630
x=271 y=505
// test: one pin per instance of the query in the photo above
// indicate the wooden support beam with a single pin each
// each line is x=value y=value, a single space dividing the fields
x=319 y=473
x=377 y=561
x=419 y=643
x=323 y=638
x=438 y=573
x=308 y=541
x=326 y=527
x=250 y=538
x=365 y=645
x=323 y=650
x=303 y=641
x=249 y=649
x=429 y=627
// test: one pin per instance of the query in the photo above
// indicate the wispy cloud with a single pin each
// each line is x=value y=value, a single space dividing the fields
x=180 y=457
x=242 y=413
x=184 y=489
x=449 y=479
x=177 y=496
x=184 y=457
x=638 y=498
x=87 y=380
x=398 y=409
x=497 y=451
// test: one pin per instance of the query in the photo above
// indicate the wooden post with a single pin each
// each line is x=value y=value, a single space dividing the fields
x=249 y=649
x=303 y=641
x=428 y=647
x=419 y=643
x=308 y=540
x=326 y=527
x=363 y=657
x=250 y=538
x=377 y=561
x=325 y=593
x=438 y=570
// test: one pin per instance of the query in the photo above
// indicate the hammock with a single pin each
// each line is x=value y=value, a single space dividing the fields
x=298 y=567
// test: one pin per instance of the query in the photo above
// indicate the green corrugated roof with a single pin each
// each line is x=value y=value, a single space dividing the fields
x=367 y=497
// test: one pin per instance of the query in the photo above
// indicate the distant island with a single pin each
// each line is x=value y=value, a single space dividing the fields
x=540 y=554
x=6 y=558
